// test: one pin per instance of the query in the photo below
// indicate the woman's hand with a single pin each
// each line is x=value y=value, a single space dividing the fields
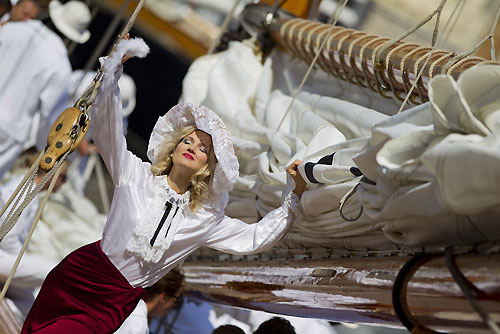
x=300 y=184
x=125 y=58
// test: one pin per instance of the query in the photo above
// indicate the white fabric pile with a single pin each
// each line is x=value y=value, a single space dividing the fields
x=436 y=167
x=429 y=187
x=68 y=222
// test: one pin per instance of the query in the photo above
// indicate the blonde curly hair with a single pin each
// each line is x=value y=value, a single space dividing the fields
x=200 y=181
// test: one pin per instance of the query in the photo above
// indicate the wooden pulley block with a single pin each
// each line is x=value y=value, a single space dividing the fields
x=65 y=135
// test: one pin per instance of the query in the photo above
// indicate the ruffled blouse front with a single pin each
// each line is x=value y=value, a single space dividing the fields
x=159 y=223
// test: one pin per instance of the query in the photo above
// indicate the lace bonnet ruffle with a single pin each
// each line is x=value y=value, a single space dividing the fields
x=226 y=170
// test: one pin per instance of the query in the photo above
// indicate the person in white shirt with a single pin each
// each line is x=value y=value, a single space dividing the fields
x=32 y=269
x=5 y=7
x=23 y=10
x=192 y=316
x=162 y=297
x=161 y=212
x=35 y=72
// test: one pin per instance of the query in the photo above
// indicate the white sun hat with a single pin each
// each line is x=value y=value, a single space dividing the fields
x=226 y=170
x=81 y=79
x=71 y=19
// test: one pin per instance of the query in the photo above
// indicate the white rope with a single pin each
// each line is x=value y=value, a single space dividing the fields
x=88 y=97
x=7 y=225
x=333 y=21
x=455 y=20
x=15 y=213
x=427 y=59
x=223 y=28
x=54 y=173
x=21 y=188
x=102 y=44
x=26 y=177
x=90 y=93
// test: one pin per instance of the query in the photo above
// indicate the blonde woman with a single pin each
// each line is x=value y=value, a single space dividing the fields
x=161 y=212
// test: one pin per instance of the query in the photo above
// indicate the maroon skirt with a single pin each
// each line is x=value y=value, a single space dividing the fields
x=85 y=293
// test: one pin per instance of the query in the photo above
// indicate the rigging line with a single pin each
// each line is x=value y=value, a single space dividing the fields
x=415 y=81
x=54 y=171
x=57 y=169
x=88 y=97
x=455 y=20
x=122 y=35
x=410 y=31
x=277 y=5
x=223 y=28
x=332 y=21
x=400 y=290
x=130 y=22
x=16 y=210
x=492 y=36
x=102 y=44
x=470 y=291
x=26 y=177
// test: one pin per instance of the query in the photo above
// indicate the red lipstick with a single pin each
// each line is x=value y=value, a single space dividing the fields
x=189 y=156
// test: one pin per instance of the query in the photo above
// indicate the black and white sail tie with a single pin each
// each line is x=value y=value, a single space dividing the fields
x=155 y=232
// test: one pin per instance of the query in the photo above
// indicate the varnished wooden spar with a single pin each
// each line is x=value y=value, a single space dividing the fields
x=351 y=55
x=356 y=290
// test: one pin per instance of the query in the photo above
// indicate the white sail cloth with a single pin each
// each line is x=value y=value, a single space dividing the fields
x=250 y=100
x=439 y=160
x=69 y=221
x=424 y=161
x=32 y=269
x=450 y=149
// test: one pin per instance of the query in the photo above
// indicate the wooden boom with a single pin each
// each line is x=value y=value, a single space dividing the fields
x=356 y=290
x=359 y=57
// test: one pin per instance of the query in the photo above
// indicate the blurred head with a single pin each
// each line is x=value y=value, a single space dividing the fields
x=190 y=150
x=71 y=19
x=25 y=10
x=228 y=329
x=5 y=7
x=276 y=325
x=165 y=294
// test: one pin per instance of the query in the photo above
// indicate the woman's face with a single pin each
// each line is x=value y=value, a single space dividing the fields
x=192 y=152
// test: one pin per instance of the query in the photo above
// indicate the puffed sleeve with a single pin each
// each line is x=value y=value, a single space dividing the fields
x=237 y=237
x=107 y=124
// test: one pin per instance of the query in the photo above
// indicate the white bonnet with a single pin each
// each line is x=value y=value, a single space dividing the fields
x=226 y=170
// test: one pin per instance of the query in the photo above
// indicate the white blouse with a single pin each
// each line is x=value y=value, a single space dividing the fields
x=137 y=321
x=143 y=237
